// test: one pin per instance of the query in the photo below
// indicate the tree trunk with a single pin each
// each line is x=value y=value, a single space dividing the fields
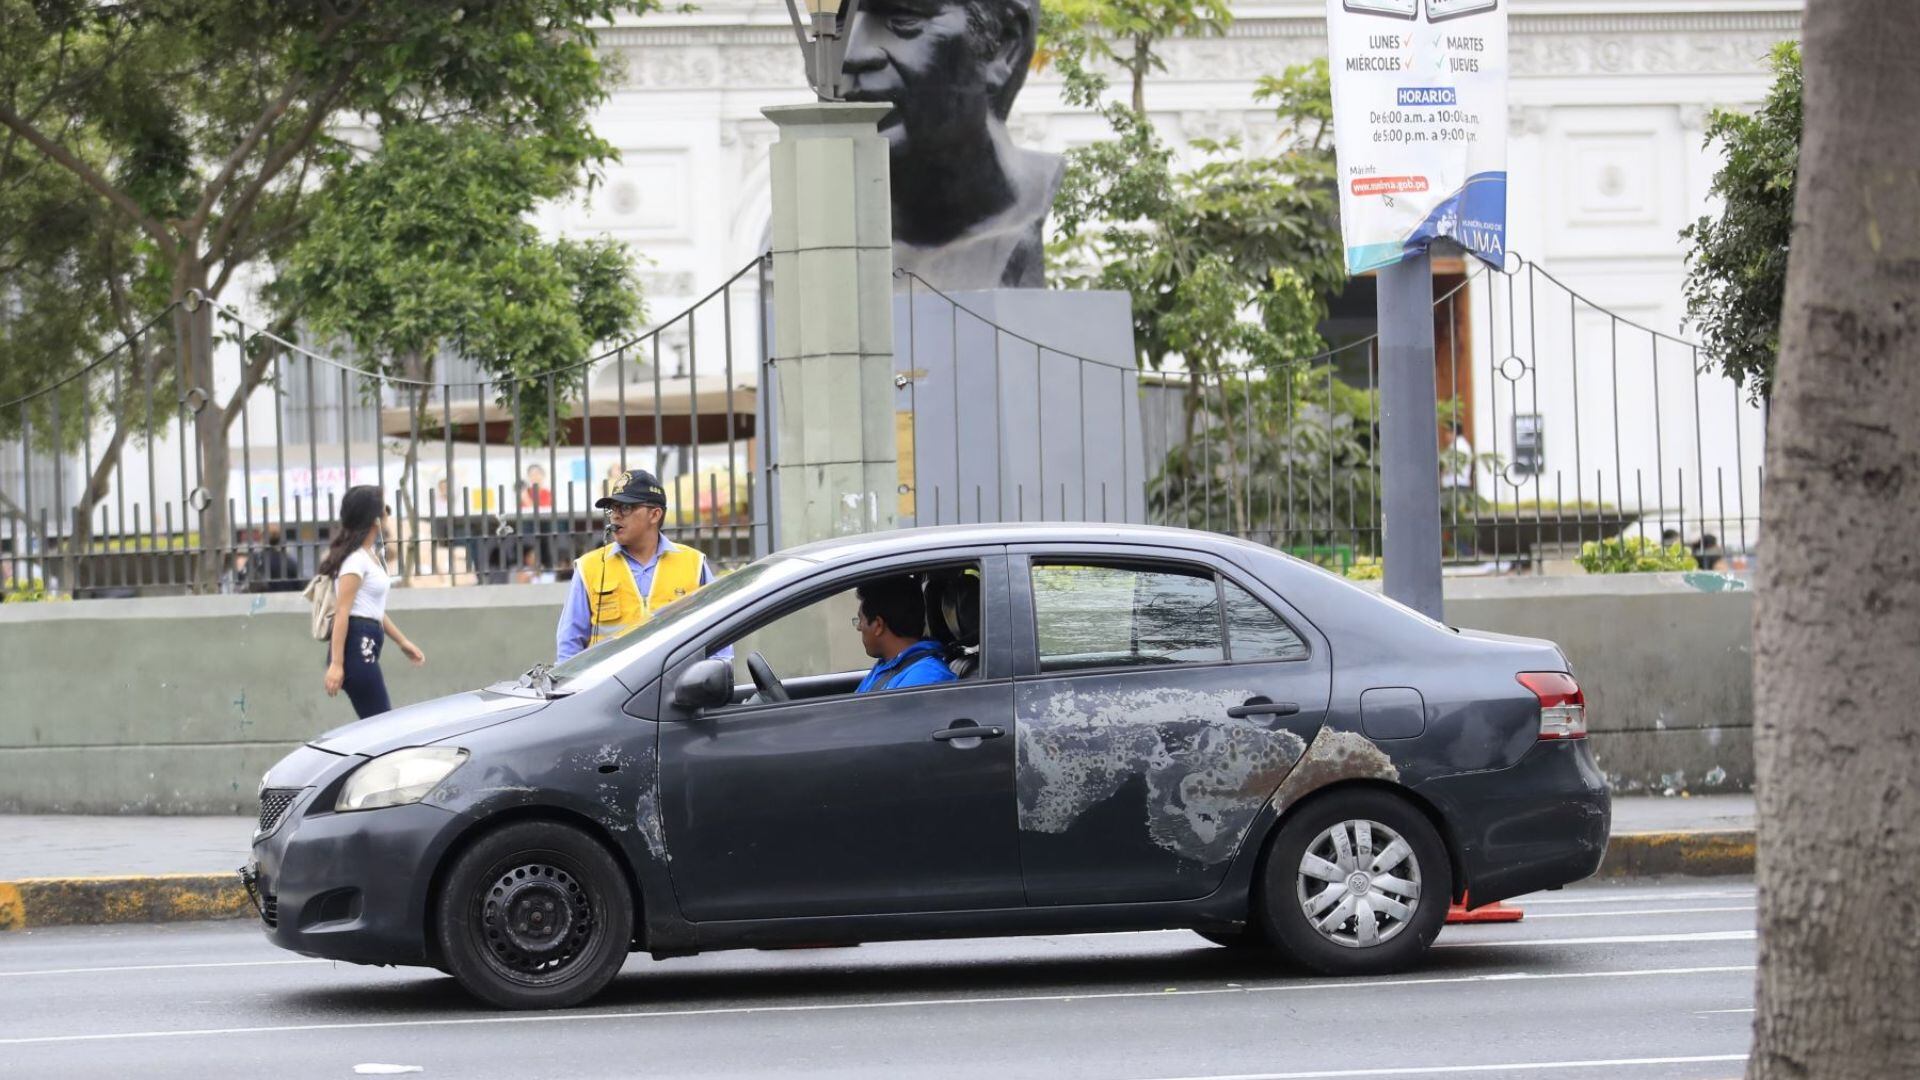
x=1837 y=618
x=207 y=502
x=420 y=369
x=1137 y=67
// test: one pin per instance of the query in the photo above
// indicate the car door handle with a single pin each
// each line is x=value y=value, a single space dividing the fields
x=1263 y=708
x=968 y=731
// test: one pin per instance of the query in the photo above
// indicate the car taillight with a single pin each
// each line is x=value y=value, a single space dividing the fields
x=1563 y=708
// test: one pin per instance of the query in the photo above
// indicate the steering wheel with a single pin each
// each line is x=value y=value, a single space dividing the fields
x=764 y=680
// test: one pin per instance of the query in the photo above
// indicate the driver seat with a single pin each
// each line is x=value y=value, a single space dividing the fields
x=959 y=609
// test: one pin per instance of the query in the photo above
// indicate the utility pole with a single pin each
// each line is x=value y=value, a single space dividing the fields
x=1409 y=435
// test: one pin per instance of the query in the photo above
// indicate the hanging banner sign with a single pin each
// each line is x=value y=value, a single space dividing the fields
x=1419 y=126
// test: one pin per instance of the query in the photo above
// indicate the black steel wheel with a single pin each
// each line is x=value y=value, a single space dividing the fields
x=536 y=915
x=1356 y=883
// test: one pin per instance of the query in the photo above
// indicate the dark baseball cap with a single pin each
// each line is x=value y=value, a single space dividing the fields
x=637 y=487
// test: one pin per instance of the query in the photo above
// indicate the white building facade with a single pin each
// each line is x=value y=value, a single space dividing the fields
x=1608 y=104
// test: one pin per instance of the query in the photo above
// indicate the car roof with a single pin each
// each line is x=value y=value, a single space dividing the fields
x=933 y=538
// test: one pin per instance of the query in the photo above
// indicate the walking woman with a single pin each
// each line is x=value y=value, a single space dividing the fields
x=360 y=624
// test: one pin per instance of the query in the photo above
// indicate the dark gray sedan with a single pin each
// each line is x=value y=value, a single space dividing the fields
x=1134 y=729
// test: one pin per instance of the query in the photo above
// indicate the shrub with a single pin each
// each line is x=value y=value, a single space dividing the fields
x=1633 y=555
x=24 y=592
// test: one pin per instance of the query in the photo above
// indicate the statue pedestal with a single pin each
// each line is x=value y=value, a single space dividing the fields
x=1017 y=405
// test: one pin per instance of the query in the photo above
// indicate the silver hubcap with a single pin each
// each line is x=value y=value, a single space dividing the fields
x=1359 y=884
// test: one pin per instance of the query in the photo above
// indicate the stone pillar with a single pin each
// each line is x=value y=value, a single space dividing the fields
x=835 y=446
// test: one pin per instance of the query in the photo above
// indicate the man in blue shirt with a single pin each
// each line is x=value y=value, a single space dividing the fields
x=893 y=616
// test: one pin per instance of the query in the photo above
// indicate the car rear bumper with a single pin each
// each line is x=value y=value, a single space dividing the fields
x=351 y=886
x=1541 y=824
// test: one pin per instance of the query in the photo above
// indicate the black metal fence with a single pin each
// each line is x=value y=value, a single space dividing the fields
x=1563 y=424
x=107 y=489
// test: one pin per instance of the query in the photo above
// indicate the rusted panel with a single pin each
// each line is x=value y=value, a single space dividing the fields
x=1334 y=756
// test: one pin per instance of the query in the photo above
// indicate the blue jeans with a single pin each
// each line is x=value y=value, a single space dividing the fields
x=364 y=684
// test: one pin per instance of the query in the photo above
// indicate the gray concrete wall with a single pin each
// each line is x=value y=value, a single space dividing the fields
x=178 y=705
x=1665 y=660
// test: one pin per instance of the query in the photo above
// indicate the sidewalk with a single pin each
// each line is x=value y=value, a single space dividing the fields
x=58 y=870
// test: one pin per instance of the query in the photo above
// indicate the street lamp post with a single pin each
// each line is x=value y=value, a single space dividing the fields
x=823 y=41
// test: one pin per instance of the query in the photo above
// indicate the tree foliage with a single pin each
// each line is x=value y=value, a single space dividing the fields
x=427 y=247
x=1127 y=33
x=1737 y=264
x=155 y=149
x=1230 y=251
x=1229 y=260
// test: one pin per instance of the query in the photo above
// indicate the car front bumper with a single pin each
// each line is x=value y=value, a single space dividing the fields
x=1540 y=824
x=351 y=886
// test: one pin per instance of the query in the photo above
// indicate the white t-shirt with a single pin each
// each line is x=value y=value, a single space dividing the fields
x=371 y=601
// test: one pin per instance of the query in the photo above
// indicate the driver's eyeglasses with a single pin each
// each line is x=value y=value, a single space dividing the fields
x=859 y=621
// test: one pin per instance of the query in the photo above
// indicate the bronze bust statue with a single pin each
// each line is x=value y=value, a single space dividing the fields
x=968 y=205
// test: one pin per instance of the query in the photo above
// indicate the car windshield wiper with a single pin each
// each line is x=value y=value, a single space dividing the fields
x=539 y=678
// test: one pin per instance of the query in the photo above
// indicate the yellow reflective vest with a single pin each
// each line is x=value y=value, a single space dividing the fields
x=614 y=603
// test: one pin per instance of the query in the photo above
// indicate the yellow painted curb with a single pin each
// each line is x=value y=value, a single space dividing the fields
x=95 y=901
x=1700 y=854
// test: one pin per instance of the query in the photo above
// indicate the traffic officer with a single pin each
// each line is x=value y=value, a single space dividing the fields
x=618 y=587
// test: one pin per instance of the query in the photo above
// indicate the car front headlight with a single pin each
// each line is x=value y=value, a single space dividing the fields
x=399 y=778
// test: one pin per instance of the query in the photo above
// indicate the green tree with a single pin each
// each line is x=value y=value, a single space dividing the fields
x=1127 y=33
x=427 y=248
x=1230 y=261
x=200 y=127
x=1737 y=264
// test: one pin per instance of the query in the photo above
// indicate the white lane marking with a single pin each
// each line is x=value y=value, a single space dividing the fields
x=1633 y=898
x=1456 y=1070
x=1722 y=1012
x=1622 y=939
x=375 y=1068
x=1318 y=986
x=1634 y=911
x=159 y=967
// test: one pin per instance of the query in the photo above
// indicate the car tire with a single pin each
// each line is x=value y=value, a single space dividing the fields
x=1312 y=900
x=535 y=915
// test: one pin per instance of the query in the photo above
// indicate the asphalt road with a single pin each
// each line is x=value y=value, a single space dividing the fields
x=1635 y=980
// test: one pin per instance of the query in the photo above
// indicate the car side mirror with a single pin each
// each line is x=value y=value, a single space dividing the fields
x=705 y=684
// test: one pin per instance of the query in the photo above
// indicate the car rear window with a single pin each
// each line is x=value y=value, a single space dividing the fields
x=1091 y=616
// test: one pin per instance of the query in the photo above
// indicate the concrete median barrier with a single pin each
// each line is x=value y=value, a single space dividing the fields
x=31 y=903
x=1691 y=853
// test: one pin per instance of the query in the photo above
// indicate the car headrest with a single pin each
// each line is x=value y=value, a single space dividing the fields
x=960 y=608
x=937 y=626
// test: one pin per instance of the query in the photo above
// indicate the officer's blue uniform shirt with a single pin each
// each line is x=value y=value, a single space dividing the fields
x=919 y=664
x=574 y=623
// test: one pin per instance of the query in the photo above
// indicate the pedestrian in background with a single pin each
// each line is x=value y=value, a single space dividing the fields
x=273 y=568
x=356 y=562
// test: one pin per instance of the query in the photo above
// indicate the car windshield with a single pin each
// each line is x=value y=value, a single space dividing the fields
x=590 y=665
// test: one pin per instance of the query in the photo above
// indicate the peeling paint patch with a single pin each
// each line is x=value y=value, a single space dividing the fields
x=1207 y=776
x=646 y=810
x=1707 y=581
x=1333 y=756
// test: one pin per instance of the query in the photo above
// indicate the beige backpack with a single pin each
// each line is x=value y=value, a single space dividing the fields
x=319 y=594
